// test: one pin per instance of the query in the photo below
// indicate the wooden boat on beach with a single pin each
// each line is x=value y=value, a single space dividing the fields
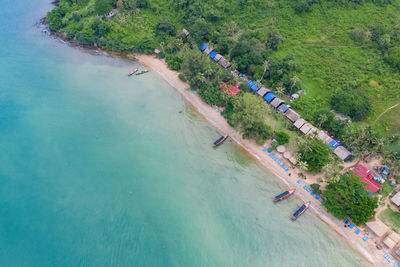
x=132 y=72
x=142 y=72
x=301 y=210
x=284 y=195
x=220 y=140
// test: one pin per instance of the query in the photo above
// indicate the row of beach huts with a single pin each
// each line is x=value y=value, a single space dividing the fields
x=299 y=123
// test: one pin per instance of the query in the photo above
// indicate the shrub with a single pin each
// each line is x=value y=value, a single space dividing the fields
x=393 y=57
x=182 y=77
x=351 y=101
x=315 y=153
x=315 y=188
x=282 y=137
x=174 y=62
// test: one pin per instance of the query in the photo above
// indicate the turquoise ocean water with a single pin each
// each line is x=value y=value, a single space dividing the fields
x=97 y=169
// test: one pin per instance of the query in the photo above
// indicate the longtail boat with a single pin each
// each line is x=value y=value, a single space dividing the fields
x=142 y=72
x=301 y=210
x=284 y=195
x=132 y=72
x=220 y=140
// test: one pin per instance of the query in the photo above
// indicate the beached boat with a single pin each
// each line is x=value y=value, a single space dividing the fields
x=284 y=195
x=220 y=140
x=132 y=72
x=301 y=210
x=142 y=72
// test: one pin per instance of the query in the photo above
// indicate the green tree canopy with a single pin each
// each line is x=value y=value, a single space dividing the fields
x=393 y=57
x=194 y=67
x=282 y=137
x=246 y=52
x=315 y=153
x=248 y=113
x=347 y=197
x=101 y=7
x=351 y=101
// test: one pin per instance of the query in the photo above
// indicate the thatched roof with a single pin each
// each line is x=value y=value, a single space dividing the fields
x=262 y=91
x=218 y=57
x=378 y=227
x=306 y=128
x=300 y=122
x=324 y=137
x=276 y=102
x=287 y=155
x=293 y=160
x=396 y=199
x=208 y=50
x=281 y=148
x=312 y=130
x=185 y=32
x=224 y=63
x=292 y=115
x=391 y=240
x=342 y=153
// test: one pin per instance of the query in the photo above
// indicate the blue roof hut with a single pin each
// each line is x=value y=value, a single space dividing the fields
x=212 y=54
x=269 y=97
x=203 y=46
x=255 y=87
x=250 y=83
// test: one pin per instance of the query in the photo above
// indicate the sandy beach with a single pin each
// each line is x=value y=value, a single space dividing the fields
x=366 y=248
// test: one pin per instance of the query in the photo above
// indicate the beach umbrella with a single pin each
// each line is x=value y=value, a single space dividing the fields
x=281 y=149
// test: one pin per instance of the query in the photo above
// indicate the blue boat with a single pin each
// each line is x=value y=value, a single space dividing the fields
x=220 y=140
x=301 y=210
x=284 y=195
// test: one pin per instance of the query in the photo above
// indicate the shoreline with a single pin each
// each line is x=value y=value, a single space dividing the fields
x=255 y=151
x=366 y=250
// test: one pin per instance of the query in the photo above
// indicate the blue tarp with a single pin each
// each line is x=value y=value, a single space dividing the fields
x=250 y=83
x=334 y=144
x=213 y=54
x=203 y=46
x=283 y=108
x=255 y=87
x=385 y=171
x=215 y=59
x=269 y=97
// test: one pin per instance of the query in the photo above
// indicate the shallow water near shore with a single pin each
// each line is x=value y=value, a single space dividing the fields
x=98 y=169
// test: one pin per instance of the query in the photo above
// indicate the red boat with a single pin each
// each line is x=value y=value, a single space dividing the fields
x=284 y=195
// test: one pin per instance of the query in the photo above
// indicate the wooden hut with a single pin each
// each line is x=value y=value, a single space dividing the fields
x=396 y=199
x=313 y=130
x=391 y=240
x=224 y=63
x=292 y=115
x=299 y=123
x=377 y=227
x=342 y=153
x=263 y=91
x=276 y=102
x=306 y=128
x=208 y=50
x=217 y=57
x=324 y=137
x=185 y=32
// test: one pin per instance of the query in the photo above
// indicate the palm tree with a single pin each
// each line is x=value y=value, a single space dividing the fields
x=293 y=81
x=322 y=119
x=302 y=165
x=266 y=66
x=280 y=90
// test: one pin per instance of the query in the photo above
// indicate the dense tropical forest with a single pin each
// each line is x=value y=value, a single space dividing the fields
x=344 y=54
